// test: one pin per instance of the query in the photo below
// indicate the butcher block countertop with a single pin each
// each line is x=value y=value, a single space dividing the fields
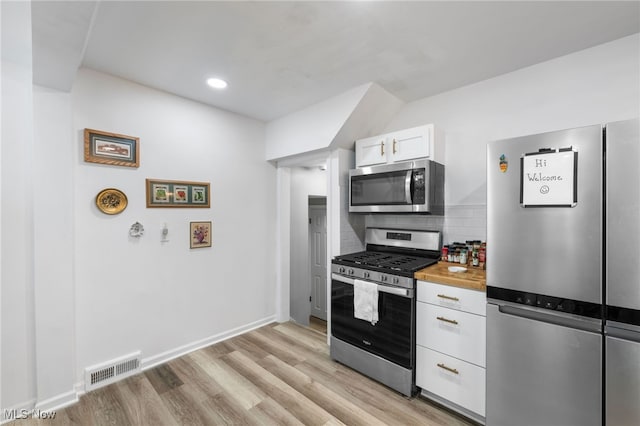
x=472 y=278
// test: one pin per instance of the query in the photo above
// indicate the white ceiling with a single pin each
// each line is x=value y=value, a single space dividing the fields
x=279 y=57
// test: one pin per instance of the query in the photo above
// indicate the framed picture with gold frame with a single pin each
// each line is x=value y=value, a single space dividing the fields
x=200 y=234
x=111 y=148
x=175 y=193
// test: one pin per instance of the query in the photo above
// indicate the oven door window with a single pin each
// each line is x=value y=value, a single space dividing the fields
x=390 y=338
x=391 y=188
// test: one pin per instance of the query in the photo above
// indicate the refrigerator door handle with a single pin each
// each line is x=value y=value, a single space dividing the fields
x=552 y=317
x=621 y=333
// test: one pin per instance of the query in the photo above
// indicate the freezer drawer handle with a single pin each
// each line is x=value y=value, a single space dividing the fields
x=447 y=320
x=444 y=296
x=444 y=367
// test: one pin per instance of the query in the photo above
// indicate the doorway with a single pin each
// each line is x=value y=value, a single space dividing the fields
x=306 y=183
x=318 y=258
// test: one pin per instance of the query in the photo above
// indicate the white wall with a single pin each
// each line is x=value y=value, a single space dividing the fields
x=163 y=298
x=592 y=86
x=53 y=227
x=304 y=183
x=17 y=340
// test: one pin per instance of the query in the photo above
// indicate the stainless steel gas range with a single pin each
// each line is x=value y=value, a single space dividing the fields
x=382 y=347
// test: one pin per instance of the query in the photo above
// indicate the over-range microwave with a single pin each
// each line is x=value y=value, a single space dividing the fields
x=407 y=187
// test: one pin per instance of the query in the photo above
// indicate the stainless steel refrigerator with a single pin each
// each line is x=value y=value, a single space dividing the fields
x=622 y=326
x=550 y=203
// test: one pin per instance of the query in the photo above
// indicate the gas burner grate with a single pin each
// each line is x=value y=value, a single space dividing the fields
x=387 y=261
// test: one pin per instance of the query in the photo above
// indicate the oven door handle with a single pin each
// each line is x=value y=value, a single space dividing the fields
x=404 y=292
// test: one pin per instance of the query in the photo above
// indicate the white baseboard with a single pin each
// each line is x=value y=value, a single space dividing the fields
x=159 y=359
x=58 y=402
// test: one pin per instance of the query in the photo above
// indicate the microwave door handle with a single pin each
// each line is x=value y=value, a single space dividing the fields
x=407 y=186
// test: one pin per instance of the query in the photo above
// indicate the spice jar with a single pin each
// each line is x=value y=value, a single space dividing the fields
x=463 y=256
x=474 y=258
x=445 y=253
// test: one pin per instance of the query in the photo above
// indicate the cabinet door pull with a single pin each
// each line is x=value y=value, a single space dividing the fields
x=394 y=146
x=382 y=148
x=454 y=322
x=443 y=296
x=444 y=367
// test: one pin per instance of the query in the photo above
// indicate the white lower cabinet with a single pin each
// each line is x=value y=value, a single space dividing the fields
x=451 y=346
x=452 y=379
x=458 y=334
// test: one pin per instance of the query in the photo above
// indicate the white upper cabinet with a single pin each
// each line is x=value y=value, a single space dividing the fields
x=371 y=151
x=403 y=145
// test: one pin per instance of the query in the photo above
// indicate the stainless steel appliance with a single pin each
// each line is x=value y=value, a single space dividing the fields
x=384 y=351
x=622 y=327
x=546 y=232
x=406 y=187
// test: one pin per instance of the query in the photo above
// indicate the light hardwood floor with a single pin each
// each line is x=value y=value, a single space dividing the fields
x=279 y=374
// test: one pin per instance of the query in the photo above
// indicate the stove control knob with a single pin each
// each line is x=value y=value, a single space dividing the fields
x=341 y=270
x=350 y=271
x=366 y=275
x=396 y=280
x=383 y=277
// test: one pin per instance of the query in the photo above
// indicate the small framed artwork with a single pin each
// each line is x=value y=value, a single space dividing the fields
x=200 y=234
x=173 y=193
x=111 y=148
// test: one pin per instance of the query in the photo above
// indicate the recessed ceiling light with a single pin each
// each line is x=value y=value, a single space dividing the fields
x=217 y=83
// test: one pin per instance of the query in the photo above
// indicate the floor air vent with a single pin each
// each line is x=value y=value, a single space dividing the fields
x=112 y=371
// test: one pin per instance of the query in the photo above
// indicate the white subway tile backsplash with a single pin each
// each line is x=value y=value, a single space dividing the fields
x=459 y=223
x=465 y=222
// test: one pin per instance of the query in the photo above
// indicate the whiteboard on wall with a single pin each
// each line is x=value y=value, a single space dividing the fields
x=549 y=178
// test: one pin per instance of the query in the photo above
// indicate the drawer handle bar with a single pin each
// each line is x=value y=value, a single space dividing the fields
x=382 y=148
x=444 y=367
x=444 y=296
x=447 y=320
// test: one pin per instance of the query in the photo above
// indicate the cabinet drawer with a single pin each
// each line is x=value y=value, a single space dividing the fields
x=456 y=333
x=452 y=379
x=452 y=297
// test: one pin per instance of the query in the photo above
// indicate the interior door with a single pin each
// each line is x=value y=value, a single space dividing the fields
x=318 y=260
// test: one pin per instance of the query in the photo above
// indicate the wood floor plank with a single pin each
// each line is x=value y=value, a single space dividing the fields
x=106 y=408
x=296 y=403
x=231 y=381
x=248 y=347
x=229 y=412
x=185 y=411
x=193 y=374
x=310 y=339
x=270 y=413
x=80 y=414
x=289 y=343
x=163 y=378
x=141 y=402
x=219 y=349
x=340 y=407
x=368 y=394
x=274 y=348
